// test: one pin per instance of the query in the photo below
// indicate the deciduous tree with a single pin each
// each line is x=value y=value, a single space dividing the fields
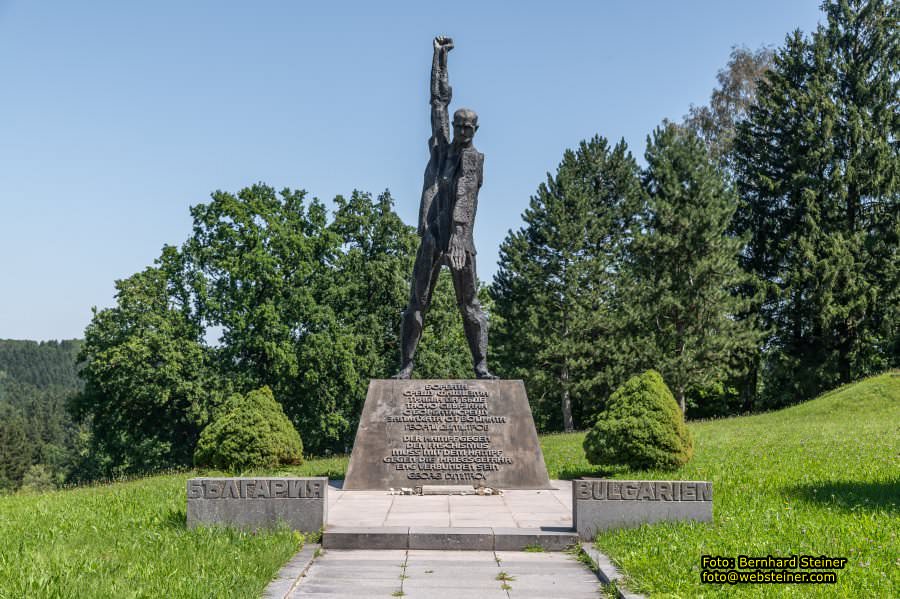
x=149 y=388
x=730 y=102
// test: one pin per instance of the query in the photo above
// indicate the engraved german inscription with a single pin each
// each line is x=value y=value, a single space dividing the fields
x=446 y=431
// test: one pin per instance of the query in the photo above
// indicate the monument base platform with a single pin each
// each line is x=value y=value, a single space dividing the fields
x=414 y=433
x=512 y=521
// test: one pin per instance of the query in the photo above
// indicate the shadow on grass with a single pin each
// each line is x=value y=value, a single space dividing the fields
x=588 y=472
x=175 y=519
x=850 y=495
x=331 y=473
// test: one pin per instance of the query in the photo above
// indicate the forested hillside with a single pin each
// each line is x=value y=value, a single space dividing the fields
x=41 y=364
x=37 y=437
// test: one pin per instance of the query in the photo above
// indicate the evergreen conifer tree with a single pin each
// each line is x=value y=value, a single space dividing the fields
x=554 y=292
x=818 y=169
x=15 y=451
x=687 y=280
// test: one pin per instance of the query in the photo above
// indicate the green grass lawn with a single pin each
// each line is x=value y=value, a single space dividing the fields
x=129 y=539
x=819 y=478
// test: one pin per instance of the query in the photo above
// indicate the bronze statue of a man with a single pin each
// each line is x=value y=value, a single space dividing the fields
x=446 y=218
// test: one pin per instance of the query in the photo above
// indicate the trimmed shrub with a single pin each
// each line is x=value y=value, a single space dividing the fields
x=641 y=427
x=251 y=432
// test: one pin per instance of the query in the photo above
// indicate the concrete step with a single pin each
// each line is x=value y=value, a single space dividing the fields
x=452 y=538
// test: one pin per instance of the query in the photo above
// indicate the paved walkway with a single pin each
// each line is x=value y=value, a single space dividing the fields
x=551 y=509
x=422 y=574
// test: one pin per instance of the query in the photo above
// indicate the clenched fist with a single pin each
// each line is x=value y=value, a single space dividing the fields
x=443 y=43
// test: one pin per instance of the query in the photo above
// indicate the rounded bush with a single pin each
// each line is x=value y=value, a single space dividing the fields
x=641 y=427
x=251 y=432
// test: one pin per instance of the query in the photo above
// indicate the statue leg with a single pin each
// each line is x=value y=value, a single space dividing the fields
x=425 y=273
x=474 y=321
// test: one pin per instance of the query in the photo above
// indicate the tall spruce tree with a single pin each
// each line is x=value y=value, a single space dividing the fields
x=818 y=169
x=554 y=292
x=687 y=280
x=15 y=451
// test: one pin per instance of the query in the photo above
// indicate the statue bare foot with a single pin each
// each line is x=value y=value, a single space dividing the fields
x=405 y=372
x=482 y=372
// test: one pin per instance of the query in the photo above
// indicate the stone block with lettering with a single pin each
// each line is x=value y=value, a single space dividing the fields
x=446 y=432
x=600 y=504
x=252 y=503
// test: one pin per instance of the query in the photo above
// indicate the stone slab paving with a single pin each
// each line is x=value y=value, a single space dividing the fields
x=291 y=573
x=449 y=538
x=513 y=509
x=431 y=574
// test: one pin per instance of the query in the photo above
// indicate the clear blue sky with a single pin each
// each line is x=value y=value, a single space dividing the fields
x=115 y=117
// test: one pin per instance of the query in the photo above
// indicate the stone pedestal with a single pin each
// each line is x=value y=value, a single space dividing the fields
x=252 y=503
x=600 y=504
x=446 y=432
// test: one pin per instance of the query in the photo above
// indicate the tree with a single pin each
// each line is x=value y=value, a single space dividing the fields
x=250 y=431
x=687 y=277
x=444 y=352
x=261 y=264
x=554 y=292
x=36 y=380
x=368 y=285
x=41 y=364
x=640 y=427
x=256 y=260
x=15 y=451
x=818 y=170
x=307 y=307
x=149 y=389
x=716 y=124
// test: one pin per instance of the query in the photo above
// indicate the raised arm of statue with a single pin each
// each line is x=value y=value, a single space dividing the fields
x=440 y=93
x=440 y=126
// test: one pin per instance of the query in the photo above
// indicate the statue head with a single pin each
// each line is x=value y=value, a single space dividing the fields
x=465 y=124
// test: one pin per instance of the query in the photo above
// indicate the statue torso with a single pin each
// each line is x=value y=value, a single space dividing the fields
x=459 y=179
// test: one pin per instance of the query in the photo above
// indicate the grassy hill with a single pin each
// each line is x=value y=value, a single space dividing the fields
x=818 y=478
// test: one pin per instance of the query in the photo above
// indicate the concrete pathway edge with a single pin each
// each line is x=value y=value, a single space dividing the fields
x=290 y=574
x=452 y=538
x=607 y=572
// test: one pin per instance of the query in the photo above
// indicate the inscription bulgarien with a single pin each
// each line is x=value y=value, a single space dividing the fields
x=446 y=433
x=643 y=490
x=603 y=504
